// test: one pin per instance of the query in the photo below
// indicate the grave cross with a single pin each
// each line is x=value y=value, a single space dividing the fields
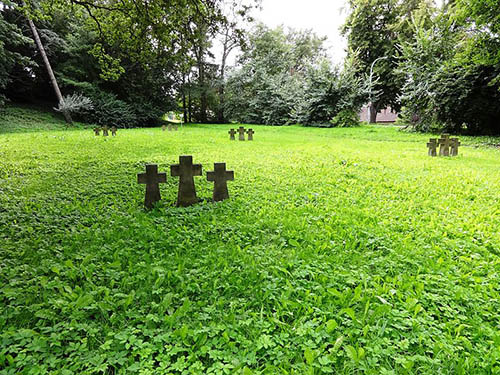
x=250 y=133
x=444 y=145
x=152 y=179
x=220 y=177
x=231 y=133
x=241 y=131
x=432 y=145
x=186 y=170
x=97 y=131
x=105 y=131
x=113 y=130
x=455 y=143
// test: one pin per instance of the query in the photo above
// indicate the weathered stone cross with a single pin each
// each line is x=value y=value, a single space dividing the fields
x=241 y=131
x=113 y=130
x=444 y=145
x=97 y=131
x=220 y=177
x=432 y=145
x=105 y=131
x=231 y=133
x=152 y=179
x=186 y=170
x=250 y=133
x=455 y=143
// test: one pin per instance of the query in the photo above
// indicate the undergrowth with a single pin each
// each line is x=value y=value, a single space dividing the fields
x=340 y=251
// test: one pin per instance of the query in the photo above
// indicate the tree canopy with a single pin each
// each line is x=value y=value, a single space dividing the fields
x=134 y=61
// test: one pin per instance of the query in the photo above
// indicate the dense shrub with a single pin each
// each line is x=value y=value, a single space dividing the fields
x=107 y=110
x=469 y=100
x=346 y=118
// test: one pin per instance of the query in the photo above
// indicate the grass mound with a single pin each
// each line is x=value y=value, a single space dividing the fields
x=340 y=251
x=26 y=119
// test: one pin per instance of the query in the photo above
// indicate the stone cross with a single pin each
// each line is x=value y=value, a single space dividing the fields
x=113 y=130
x=231 y=133
x=164 y=127
x=97 y=131
x=444 y=145
x=241 y=131
x=220 y=177
x=455 y=143
x=152 y=179
x=186 y=170
x=105 y=131
x=432 y=145
x=250 y=133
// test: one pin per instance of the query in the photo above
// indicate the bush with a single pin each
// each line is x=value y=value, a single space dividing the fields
x=468 y=98
x=346 y=119
x=75 y=103
x=107 y=110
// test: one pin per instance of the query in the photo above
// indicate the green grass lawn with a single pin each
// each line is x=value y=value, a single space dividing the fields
x=342 y=251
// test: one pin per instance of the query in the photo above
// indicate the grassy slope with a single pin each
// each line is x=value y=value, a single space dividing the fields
x=340 y=251
x=15 y=119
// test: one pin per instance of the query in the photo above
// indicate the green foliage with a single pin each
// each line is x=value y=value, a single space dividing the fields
x=27 y=119
x=422 y=58
x=484 y=44
x=346 y=119
x=268 y=88
x=137 y=98
x=341 y=251
x=107 y=109
x=329 y=93
x=75 y=103
x=373 y=28
x=452 y=69
x=474 y=110
x=285 y=78
x=11 y=38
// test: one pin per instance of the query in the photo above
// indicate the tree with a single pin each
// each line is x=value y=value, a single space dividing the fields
x=50 y=72
x=231 y=35
x=452 y=69
x=11 y=38
x=329 y=91
x=422 y=57
x=96 y=42
x=268 y=86
x=373 y=29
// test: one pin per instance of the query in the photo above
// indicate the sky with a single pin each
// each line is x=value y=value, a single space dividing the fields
x=324 y=17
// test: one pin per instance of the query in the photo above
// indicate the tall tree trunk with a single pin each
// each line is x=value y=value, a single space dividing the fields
x=225 y=52
x=203 y=89
x=184 y=109
x=373 y=113
x=52 y=77
x=220 y=114
x=190 y=103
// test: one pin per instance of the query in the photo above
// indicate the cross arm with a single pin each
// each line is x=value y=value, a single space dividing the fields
x=175 y=170
x=162 y=177
x=197 y=170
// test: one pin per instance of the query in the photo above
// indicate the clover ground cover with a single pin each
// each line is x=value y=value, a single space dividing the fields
x=340 y=251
